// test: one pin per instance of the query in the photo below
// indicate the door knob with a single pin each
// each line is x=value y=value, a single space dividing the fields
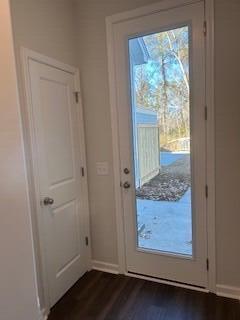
x=126 y=171
x=48 y=201
x=126 y=185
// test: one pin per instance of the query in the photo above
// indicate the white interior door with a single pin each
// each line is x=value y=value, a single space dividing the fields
x=160 y=90
x=58 y=159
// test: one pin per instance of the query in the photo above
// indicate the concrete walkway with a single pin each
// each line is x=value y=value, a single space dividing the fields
x=168 y=225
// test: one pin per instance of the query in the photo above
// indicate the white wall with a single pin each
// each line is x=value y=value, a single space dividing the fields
x=48 y=27
x=92 y=58
x=227 y=96
x=45 y=26
x=18 y=297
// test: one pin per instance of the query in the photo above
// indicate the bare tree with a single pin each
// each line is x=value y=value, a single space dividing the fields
x=163 y=84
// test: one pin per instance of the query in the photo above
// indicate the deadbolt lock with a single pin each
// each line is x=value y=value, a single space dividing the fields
x=126 y=185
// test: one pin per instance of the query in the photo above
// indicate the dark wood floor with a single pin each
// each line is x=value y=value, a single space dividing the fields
x=98 y=296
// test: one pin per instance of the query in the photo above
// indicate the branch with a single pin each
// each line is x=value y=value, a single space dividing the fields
x=176 y=55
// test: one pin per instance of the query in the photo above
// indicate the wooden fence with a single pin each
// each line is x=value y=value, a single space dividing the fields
x=148 y=152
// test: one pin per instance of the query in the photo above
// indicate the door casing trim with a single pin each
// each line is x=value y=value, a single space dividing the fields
x=210 y=127
x=33 y=171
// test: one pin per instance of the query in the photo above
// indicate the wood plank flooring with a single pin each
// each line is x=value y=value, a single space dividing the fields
x=104 y=296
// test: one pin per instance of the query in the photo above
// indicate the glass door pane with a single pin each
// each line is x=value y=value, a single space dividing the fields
x=160 y=93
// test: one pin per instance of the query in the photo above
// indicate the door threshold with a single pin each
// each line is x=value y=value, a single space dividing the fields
x=167 y=282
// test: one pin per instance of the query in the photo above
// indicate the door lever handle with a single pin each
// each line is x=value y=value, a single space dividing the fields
x=126 y=185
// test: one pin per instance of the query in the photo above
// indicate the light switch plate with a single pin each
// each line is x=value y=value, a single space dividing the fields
x=102 y=168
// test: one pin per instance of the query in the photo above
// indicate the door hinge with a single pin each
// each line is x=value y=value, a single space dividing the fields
x=82 y=171
x=205 y=113
x=76 y=93
x=86 y=241
x=207 y=264
x=206 y=191
x=205 y=28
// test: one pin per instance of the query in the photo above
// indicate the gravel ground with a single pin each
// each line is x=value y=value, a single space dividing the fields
x=170 y=184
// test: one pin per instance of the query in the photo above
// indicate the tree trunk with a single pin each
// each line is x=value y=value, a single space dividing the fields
x=165 y=97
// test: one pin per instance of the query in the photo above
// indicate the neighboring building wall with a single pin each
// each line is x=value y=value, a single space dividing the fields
x=18 y=293
x=144 y=167
x=145 y=116
x=148 y=149
x=136 y=55
x=92 y=58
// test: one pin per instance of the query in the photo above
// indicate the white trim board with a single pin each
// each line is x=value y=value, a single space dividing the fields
x=105 y=267
x=133 y=14
x=43 y=314
x=228 y=292
x=210 y=144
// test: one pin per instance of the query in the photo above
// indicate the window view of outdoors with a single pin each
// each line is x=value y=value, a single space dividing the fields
x=161 y=133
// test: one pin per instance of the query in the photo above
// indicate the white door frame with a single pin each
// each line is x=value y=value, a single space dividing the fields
x=137 y=13
x=33 y=170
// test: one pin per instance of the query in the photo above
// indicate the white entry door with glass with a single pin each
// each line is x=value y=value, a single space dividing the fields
x=159 y=63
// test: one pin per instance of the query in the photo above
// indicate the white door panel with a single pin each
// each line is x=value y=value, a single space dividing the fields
x=55 y=101
x=58 y=161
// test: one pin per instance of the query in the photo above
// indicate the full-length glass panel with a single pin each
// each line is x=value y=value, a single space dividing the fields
x=160 y=90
